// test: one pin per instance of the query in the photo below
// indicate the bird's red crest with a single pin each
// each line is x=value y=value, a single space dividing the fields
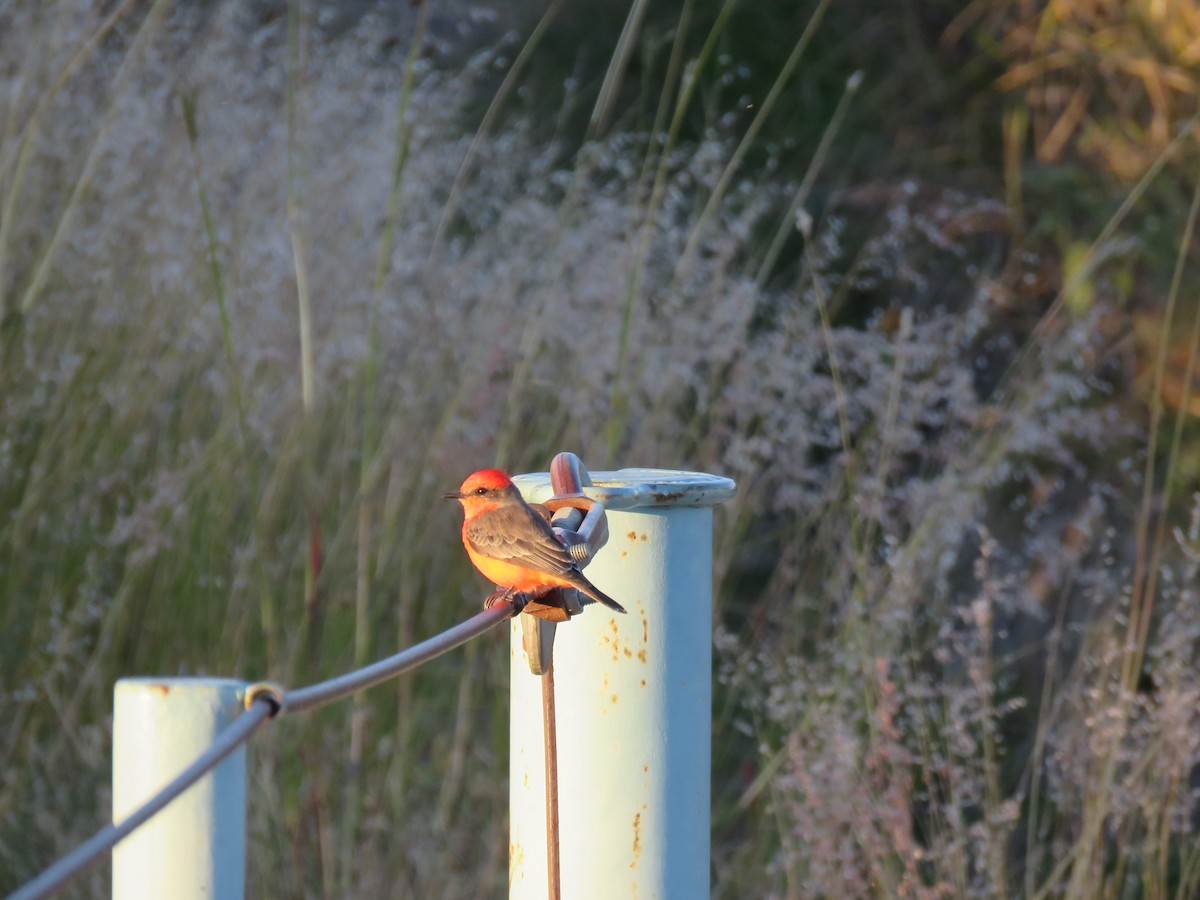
x=485 y=478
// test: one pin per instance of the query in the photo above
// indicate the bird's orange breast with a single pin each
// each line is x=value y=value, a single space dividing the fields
x=510 y=575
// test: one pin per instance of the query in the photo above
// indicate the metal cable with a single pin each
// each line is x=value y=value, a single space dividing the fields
x=94 y=848
x=335 y=688
x=261 y=708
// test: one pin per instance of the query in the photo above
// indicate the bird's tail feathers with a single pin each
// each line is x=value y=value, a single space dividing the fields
x=589 y=590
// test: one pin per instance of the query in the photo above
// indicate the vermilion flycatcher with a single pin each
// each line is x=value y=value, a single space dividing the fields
x=511 y=545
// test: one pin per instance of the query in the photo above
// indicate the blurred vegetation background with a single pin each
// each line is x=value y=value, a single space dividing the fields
x=922 y=277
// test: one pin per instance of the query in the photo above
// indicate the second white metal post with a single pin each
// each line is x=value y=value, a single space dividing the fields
x=196 y=847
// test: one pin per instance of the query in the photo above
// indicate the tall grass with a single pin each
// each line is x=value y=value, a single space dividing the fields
x=265 y=294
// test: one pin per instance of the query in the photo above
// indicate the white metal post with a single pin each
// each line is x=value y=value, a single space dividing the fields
x=195 y=848
x=633 y=704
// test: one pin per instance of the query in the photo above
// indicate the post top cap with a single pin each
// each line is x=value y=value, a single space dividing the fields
x=639 y=488
x=165 y=684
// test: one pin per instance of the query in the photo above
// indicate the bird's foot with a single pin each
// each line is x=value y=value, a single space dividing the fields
x=495 y=597
x=507 y=595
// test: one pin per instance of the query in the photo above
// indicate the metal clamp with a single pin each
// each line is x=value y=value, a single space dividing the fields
x=581 y=525
x=269 y=691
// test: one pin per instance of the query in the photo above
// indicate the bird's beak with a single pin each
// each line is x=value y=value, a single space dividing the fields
x=452 y=495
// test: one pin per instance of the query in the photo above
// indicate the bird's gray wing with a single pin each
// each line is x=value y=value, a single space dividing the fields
x=518 y=535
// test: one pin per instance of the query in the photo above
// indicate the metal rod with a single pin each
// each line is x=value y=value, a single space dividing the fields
x=568 y=475
x=550 y=738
